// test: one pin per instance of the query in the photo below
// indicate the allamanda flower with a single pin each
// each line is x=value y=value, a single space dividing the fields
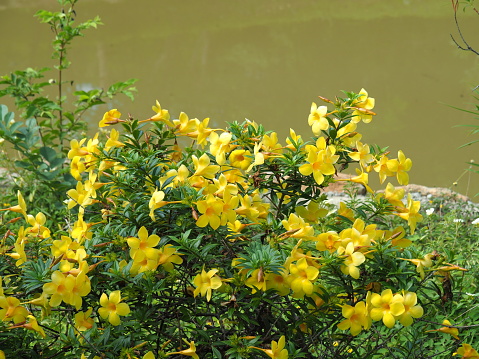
x=112 y=308
x=205 y=282
x=277 y=350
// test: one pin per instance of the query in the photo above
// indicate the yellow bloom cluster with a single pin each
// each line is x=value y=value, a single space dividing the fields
x=386 y=306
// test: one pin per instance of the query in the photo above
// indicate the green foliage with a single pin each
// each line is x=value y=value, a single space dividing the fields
x=38 y=137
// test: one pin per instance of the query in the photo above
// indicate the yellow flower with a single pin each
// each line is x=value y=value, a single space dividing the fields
x=313 y=212
x=203 y=167
x=169 y=256
x=143 y=246
x=363 y=102
x=302 y=276
x=387 y=307
x=393 y=195
x=278 y=282
x=76 y=149
x=190 y=352
x=411 y=213
x=240 y=159
x=156 y=202
x=317 y=119
x=83 y=321
x=161 y=115
x=112 y=308
x=400 y=166
x=205 y=282
x=110 y=118
x=37 y=225
x=320 y=160
x=12 y=310
x=21 y=207
x=467 y=351
x=356 y=318
x=31 y=325
x=363 y=155
x=421 y=263
x=220 y=145
x=211 y=209
x=113 y=140
x=60 y=288
x=351 y=261
x=277 y=350
x=447 y=330
x=184 y=125
x=257 y=280
x=411 y=309
x=297 y=228
x=294 y=140
x=329 y=241
x=381 y=167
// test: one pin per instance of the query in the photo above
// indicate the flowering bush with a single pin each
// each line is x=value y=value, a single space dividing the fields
x=187 y=240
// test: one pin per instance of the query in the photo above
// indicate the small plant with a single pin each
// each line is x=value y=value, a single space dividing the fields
x=45 y=125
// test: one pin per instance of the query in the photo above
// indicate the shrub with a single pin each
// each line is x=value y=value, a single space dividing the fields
x=207 y=242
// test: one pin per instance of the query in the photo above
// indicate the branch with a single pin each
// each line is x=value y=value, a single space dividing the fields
x=467 y=47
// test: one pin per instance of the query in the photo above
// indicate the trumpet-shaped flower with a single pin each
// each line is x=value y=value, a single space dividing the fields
x=156 y=201
x=113 y=140
x=205 y=282
x=220 y=145
x=312 y=213
x=362 y=155
x=400 y=166
x=302 y=276
x=60 y=288
x=454 y=332
x=381 y=167
x=317 y=119
x=211 y=209
x=203 y=167
x=411 y=309
x=356 y=318
x=410 y=213
x=190 y=352
x=110 y=118
x=37 y=225
x=387 y=307
x=352 y=260
x=143 y=245
x=31 y=325
x=83 y=320
x=421 y=263
x=320 y=161
x=277 y=350
x=363 y=105
x=257 y=280
x=12 y=310
x=111 y=307
x=240 y=159
x=328 y=241
x=167 y=256
x=21 y=207
x=467 y=351
x=297 y=228
x=162 y=115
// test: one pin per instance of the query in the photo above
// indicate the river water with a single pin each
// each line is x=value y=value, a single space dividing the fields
x=268 y=60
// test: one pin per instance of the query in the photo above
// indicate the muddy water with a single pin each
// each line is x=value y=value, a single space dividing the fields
x=267 y=61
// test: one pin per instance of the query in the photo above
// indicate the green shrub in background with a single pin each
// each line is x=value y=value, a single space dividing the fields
x=186 y=240
x=47 y=121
